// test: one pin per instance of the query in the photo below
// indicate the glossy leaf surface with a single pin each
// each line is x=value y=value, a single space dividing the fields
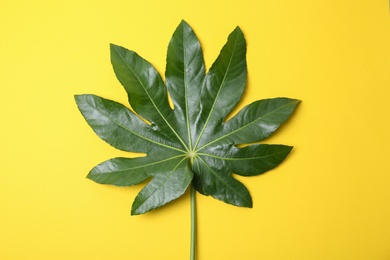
x=191 y=142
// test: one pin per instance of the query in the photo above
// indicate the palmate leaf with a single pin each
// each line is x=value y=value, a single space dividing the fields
x=191 y=143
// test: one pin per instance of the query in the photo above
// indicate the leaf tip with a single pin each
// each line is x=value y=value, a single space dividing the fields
x=246 y=204
x=250 y=204
x=114 y=47
x=79 y=98
x=238 y=29
x=136 y=211
x=183 y=22
x=92 y=177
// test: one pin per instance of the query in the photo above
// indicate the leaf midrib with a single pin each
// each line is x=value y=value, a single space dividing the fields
x=144 y=165
x=185 y=94
x=240 y=158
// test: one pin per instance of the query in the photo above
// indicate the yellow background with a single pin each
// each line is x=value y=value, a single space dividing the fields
x=329 y=200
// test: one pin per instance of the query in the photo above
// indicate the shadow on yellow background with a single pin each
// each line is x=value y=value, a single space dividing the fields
x=329 y=200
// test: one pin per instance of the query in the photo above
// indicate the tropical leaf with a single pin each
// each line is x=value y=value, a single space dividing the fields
x=191 y=143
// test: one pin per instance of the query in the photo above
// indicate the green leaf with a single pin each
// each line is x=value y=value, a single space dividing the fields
x=215 y=180
x=184 y=76
x=247 y=161
x=146 y=90
x=120 y=127
x=164 y=187
x=191 y=142
x=223 y=87
x=253 y=123
x=131 y=171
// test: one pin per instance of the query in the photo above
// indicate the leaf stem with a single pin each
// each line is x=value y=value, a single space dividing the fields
x=193 y=222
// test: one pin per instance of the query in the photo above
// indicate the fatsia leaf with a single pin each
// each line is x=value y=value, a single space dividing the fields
x=191 y=143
